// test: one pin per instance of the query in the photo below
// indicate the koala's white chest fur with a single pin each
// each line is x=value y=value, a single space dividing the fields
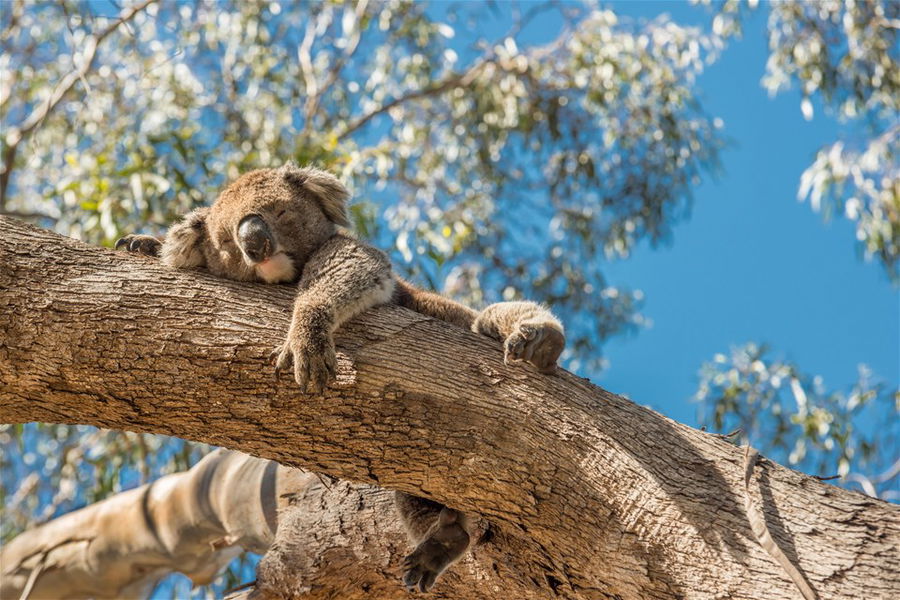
x=278 y=269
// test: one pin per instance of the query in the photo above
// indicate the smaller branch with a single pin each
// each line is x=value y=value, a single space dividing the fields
x=458 y=80
x=865 y=483
x=201 y=524
x=16 y=134
x=892 y=472
x=305 y=60
x=32 y=578
x=93 y=42
x=467 y=77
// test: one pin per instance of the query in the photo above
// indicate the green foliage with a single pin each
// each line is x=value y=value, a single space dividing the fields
x=793 y=417
x=844 y=53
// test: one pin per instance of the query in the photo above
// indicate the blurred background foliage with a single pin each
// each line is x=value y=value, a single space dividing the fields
x=492 y=168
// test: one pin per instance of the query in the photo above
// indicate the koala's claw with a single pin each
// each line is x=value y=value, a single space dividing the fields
x=539 y=344
x=433 y=555
x=141 y=244
x=314 y=363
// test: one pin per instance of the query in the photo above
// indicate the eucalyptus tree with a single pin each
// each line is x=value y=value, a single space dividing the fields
x=494 y=161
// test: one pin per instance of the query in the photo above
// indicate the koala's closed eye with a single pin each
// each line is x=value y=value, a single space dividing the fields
x=280 y=214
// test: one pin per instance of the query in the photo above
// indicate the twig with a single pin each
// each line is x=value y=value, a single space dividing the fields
x=33 y=577
x=239 y=587
x=728 y=436
x=761 y=530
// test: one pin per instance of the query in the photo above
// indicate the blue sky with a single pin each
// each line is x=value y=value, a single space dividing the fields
x=752 y=263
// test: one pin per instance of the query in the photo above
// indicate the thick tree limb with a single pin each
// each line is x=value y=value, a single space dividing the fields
x=600 y=496
x=192 y=522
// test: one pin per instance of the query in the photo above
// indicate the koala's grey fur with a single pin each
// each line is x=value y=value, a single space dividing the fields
x=281 y=225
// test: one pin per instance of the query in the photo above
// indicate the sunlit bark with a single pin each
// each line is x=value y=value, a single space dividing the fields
x=588 y=494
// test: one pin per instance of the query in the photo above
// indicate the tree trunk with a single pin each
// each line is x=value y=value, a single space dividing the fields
x=588 y=494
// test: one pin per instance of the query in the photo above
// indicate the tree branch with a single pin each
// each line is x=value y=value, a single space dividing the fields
x=457 y=80
x=603 y=497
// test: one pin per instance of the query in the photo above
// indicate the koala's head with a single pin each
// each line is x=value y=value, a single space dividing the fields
x=266 y=224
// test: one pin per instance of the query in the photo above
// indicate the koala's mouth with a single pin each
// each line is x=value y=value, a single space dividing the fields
x=277 y=268
x=267 y=260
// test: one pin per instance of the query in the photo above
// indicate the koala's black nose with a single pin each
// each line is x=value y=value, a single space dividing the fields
x=255 y=238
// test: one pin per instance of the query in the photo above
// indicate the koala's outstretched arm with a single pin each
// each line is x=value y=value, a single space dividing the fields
x=182 y=247
x=529 y=331
x=341 y=279
x=434 y=305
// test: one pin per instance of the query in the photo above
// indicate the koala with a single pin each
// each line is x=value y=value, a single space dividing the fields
x=284 y=225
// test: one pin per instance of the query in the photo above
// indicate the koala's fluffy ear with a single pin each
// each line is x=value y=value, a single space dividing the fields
x=328 y=191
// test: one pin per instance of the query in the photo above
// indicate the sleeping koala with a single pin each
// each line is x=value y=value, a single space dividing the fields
x=281 y=226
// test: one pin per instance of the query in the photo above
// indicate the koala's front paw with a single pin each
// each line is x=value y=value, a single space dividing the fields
x=142 y=244
x=444 y=544
x=537 y=343
x=312 y=356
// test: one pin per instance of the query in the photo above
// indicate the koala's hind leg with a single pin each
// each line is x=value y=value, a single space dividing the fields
x=441 y=536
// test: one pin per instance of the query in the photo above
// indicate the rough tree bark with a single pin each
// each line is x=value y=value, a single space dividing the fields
x=195 y=522
x=588 y=494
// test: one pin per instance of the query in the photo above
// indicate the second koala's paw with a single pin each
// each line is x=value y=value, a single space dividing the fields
x=539 y=344
x=312 y=357
x=444 y=544
x=141 y=244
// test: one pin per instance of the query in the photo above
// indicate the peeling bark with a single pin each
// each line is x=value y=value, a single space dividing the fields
x=588 y=494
